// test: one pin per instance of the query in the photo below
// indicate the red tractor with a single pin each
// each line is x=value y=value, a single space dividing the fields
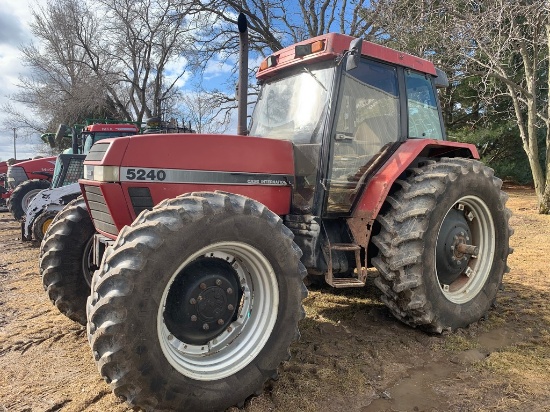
x=3 y=180
x=24 y=180
x=204 y=241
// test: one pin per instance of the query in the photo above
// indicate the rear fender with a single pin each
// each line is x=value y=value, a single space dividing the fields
x=376 y=191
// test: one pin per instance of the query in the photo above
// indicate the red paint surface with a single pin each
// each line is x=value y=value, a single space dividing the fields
x=4 y=165
x=201 y=152
x=45 y=164
x=100 y=127
x=196 y=152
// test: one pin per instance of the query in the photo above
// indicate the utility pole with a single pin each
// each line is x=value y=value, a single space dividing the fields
x=14 y=150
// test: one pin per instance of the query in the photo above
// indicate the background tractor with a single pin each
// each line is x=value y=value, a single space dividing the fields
x=24 y=180
x=202 y=242
x=4 y=188
x=43 y=208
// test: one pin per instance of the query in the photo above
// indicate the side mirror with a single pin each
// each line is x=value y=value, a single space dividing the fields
x=354 y=54
x=441 y=81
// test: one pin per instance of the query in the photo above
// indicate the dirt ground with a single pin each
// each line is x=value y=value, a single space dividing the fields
x=353 y=355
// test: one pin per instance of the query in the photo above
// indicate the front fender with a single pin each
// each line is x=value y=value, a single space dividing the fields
x=47 y=199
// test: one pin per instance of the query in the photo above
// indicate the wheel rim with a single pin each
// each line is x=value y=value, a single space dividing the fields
x=88 y=268
x=241 y=339
x=467 y=225
x=45 y=225
x=28 y=197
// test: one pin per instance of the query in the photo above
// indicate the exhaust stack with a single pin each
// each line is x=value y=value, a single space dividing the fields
x=243 y=74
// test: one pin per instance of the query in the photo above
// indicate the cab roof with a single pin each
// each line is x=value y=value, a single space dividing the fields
x=111 y=127
x=333 y=45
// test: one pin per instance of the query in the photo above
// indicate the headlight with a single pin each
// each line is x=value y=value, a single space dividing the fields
x=102 y=173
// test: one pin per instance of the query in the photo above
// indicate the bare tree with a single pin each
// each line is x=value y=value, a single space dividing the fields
x=507 y=44
x=143 y=37
x=272 y=25
x=58 y=88
x=206 y=110
x=101 y=58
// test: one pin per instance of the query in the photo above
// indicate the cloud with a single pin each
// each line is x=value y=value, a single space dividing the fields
x=15 y=16
x=217 y=68
x=175 y=68
x=12 y=32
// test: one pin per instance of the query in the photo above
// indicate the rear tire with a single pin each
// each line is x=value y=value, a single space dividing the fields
x=442 y=207
x=23 y=194
x=196 y=303
x=65 y=264
x=41 y=224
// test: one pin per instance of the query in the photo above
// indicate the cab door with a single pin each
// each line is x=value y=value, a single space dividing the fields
x=367 y=124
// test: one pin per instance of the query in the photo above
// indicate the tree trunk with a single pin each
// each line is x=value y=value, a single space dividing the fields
x=544 y=202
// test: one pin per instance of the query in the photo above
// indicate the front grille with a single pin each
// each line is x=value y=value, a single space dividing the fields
x=97 y=152
x=99 y=211
x=141 y=199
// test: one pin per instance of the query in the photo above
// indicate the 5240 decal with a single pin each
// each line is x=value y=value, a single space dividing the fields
x=145 y=174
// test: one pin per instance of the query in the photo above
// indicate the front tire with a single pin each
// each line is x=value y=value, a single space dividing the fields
x=23 y=194
x=196 y=303
x=65 y=264
x=41 y=224
x=443 y=245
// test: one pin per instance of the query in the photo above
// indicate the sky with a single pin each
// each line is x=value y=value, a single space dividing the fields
x=14 y=31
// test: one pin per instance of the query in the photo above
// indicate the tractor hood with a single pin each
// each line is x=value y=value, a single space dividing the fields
x=145 y=169
x=221 y=153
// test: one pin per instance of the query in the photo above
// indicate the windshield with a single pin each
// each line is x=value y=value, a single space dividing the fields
x=91 y=138
x=293 y=107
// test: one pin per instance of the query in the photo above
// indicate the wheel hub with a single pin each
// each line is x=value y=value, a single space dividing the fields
x=202 y=301
x=451 y=258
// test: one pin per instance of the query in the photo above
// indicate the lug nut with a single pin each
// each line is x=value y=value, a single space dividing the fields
x=193 y=301
x=220 y=322
x=205 y=326
x=203 y=286
x=218 y=282
x=193 y=318
x=229 y=291
x=230 y=307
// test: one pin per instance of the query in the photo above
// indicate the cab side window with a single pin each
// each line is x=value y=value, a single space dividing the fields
x=424 y=120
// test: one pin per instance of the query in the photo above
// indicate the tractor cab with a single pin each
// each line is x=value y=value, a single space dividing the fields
x=343 y=120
